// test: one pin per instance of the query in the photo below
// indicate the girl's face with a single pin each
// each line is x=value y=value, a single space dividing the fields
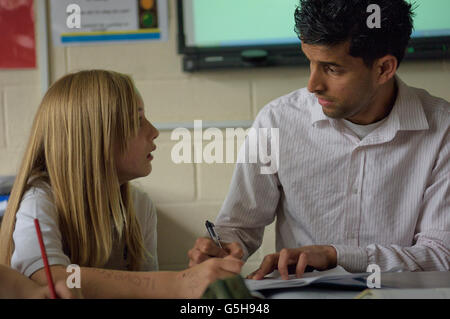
x=136 y=160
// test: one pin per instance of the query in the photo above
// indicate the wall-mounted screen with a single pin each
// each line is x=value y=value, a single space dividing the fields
x=236 y=33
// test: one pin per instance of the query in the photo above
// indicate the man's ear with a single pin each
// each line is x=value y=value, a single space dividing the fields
x=385 y=68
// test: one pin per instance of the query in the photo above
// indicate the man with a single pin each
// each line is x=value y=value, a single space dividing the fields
x=364 y=160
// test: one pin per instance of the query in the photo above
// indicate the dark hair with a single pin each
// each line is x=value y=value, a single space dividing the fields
x=330 y=22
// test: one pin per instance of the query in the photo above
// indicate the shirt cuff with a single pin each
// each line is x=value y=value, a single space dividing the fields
x=39 y=264
x=353 y=259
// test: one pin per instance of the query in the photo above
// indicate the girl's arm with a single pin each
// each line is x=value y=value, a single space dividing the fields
x=189 y=283
x=14 y=284
x=17 y=286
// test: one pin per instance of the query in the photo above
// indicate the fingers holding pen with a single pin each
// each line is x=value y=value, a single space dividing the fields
x=234 y=249
x=232 y=264
x=208 y=247
x=194 y=280
x=204 y=249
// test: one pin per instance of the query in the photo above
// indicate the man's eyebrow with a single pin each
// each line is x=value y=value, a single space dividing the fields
x=330 y=63
x=327 y=63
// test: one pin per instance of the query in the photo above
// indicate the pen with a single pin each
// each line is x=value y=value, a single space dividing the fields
x=44 y=258
x=212 y=233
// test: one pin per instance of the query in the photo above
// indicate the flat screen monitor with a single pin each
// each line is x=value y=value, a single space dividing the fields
x=255 y=33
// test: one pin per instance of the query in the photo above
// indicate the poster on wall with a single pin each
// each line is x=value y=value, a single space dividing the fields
x=17 y=37
x=78 y=22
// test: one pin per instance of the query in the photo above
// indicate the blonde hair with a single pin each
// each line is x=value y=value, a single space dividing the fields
x=82 y=121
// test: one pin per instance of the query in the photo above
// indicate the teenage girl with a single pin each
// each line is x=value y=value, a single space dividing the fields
x=90 y=137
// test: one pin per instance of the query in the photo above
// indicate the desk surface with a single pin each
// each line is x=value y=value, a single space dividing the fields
x=405 y=280
x=423 y=279
x=311 y=292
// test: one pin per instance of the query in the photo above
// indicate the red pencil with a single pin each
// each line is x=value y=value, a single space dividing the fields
x=48 y=273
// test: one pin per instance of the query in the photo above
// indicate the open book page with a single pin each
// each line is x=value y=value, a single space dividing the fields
x=274 y=281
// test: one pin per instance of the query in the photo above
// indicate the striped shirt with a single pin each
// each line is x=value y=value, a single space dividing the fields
x=383 y=199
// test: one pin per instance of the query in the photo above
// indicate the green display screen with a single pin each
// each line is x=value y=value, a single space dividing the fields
x=222 y=23
x=431 y=18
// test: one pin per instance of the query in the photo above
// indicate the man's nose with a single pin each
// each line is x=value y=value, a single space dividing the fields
x=315 y=83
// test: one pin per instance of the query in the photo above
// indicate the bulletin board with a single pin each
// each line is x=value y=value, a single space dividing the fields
x=109 y=21
x=17 y=35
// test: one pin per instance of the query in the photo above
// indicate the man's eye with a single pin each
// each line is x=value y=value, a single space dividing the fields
x=330 y=69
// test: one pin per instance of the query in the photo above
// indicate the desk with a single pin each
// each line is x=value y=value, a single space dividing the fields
x=406 y=280
x=423 y=279
x=311 y=292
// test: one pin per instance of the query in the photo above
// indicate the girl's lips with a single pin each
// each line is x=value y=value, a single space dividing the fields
x=149 y=155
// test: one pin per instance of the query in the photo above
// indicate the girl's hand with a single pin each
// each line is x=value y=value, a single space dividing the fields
x=194 y=281
x=62 y=292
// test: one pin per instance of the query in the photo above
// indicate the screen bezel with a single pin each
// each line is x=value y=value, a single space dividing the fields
x=418 y=48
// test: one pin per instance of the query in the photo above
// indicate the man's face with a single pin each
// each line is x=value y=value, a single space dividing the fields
x=344 y=85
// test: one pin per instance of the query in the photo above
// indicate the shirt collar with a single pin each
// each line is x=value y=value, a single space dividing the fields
x=408 y=109
x=407 y=113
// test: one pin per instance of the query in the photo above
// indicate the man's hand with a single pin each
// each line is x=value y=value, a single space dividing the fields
x=319 y=257
x=206 y=248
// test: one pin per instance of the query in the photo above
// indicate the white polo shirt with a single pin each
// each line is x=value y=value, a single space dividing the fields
x=36 y=203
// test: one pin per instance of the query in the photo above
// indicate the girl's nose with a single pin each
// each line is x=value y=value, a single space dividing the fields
x=154 y=132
